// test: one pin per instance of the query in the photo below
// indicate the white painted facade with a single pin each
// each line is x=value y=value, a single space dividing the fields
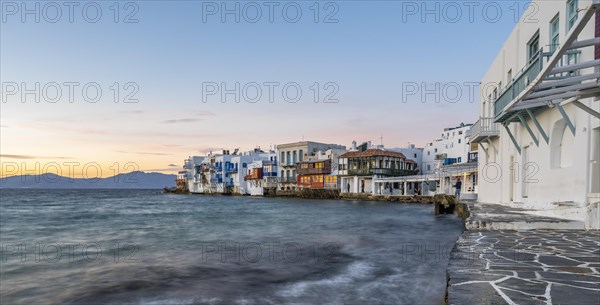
x=412 y=153
x=222 y=173
x=453 y=144
x=551 y=169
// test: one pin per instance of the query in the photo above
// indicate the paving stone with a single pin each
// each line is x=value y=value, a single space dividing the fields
x=474 y=294
x=529 y=287
x=520 y=298
x=569 y=277
x=557 y=261
x=567 y=295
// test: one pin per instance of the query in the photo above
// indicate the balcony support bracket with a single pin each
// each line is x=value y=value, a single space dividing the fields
x=539 y=127
x=586 y=109
x=566 y=117
x=490 y=144
x=485 y=150
x=512 y=138
x=533 y=137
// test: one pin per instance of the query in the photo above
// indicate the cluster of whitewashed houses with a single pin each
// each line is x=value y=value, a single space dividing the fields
x=536 y=144
x=361 y=169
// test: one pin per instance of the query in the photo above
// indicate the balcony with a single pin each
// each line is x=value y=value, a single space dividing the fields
x=381 y=172
x=313 y=171
x=330 y=185
x=484 y=128
x=559 y=82
x=288 y=180
x=519 y=83
x=269 y=174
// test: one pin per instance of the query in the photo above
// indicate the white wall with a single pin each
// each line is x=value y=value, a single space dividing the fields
x=447 y=144
x=551 y=190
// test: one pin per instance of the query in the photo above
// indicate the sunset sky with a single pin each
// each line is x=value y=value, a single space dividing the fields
x=167 y=56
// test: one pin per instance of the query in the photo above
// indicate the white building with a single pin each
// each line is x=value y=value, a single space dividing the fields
x=240 y=168
x=451 y=156
x=292 y=153
x=452 y=147
x=412 y=152
x=222 y=173
x=539 y=127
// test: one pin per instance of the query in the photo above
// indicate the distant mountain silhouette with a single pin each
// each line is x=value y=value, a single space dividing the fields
x=132 y=180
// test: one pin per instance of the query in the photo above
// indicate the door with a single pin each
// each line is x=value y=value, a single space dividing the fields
x=595 y=161
x=523 y=167
x=511 y=183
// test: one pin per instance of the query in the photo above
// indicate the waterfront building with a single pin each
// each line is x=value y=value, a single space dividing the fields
x=290 y=154
x=320 y=170
x=452 y=147
x=225 y=172
x=261 y=176
x=539 y=127
x=441 y=162
x=453 y=155
x=412 y=152
x=358 y=168
x=181 y=181
x=311 y=174
x=239 y=168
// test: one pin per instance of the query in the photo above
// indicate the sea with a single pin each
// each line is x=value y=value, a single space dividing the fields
x=145 y=247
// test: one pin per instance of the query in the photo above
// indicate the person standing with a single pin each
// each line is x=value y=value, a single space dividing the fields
x=348 y=187
x=458 y=185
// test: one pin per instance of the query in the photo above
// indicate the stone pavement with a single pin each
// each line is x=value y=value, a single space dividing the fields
x=525 y=267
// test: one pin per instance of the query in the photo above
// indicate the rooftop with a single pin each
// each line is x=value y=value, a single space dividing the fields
x=373 y=153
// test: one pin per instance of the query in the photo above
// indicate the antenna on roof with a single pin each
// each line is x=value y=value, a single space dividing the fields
x=381 y=138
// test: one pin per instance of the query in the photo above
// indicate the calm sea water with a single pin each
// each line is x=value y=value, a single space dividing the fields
x=143 y=247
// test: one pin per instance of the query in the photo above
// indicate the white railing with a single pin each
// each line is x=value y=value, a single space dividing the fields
x=485 y=127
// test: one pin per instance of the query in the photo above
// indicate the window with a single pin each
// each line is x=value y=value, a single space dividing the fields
x=458 y=141
x=301 y=155
x=554 y=28
x=533 y=47
x=428 y=153
x=572 y=6
x=428 y=167
x=415 y=155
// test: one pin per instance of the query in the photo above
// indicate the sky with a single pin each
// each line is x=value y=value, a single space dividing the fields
x=395 y=72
